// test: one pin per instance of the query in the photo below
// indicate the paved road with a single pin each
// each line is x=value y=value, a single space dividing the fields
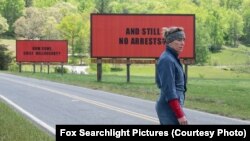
x=49 y=103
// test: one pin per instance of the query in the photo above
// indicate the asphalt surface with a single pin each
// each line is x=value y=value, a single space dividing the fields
x=49 y=104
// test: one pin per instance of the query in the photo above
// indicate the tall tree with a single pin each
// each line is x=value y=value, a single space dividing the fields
x=40 y=23
x=44 y=3
x=3 y=25
x=5 y=57
x=28 y=3
x=86 y=6
x=31 y=25
x=202 y=36
x=50 y=31
x=84 y=38
x=12 y=10
x=102 y=6
x=202 y=43
x=246 y=19
x=235 y=29
x=215 y=30
x=231 y=4
x=71 y=27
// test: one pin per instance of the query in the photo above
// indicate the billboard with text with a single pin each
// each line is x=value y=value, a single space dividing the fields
x=137 y=35
x=42 y=51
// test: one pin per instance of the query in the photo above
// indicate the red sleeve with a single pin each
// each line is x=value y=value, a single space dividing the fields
x=176 y=107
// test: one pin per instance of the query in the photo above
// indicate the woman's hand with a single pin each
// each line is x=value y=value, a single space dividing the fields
x=183 y=120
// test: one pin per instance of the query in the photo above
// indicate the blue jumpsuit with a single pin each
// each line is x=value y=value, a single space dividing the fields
x=170 y=79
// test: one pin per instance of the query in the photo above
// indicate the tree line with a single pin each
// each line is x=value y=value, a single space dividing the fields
x=218 y=22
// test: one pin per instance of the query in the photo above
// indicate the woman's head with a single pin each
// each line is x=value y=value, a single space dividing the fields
x=174 y=37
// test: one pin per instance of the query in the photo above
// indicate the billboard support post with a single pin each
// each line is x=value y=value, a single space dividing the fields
x=99 y=69
x=20 y=67
x=34 y=67
x=128 y=70
x=62 y=69
x=41 y=67
x=48 y=68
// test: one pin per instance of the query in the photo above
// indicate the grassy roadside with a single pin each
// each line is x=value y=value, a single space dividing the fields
x=15 y=127
x=210 y=89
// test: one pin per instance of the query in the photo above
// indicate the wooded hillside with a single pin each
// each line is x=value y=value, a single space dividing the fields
x=218 y=22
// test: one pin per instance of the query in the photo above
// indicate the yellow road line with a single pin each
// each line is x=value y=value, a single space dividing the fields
x=100 y=104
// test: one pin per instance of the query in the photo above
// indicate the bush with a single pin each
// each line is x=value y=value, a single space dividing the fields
x=115 y=69
x=13 y=67
x=5 y=57
x=215 y=48
x=60 y=70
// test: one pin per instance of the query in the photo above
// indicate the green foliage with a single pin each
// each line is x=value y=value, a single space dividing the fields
x=28 y=3
x=13 y=67
x=202 y=42
x=31 y=25
x=215 y=30
x=246 y=18
x=86 y=6
x=235 y=29
x=12 y=10
x=5 y=57
x=105 y=67
x=218 y=22
x=114 y=69
x=85 y=35
x=231 y=4
x=71 y=27
x=41 y=23
x=61 y=70
x=102 y=6
x=44 y=3
x=3 y=25
x=50 y=31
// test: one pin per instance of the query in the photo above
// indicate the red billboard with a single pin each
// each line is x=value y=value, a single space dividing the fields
x=137 y=35
x=42 y=51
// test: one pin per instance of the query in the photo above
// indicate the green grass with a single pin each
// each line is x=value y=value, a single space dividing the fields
x=231 y=56
x=219 y=90
x=216 y=72
x=229 y=97
x=14 y=127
